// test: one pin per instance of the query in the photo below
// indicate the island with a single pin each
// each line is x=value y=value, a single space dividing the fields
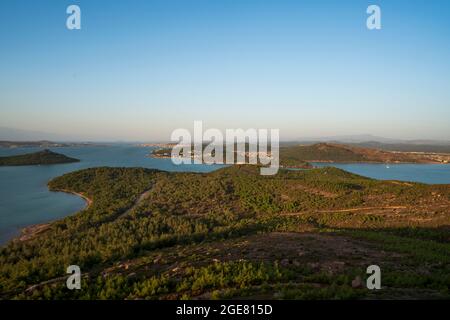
x=37 y=158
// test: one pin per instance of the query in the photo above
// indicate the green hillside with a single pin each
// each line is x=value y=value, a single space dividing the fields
x=42 y=157
x=233 y=233
x=332 y=152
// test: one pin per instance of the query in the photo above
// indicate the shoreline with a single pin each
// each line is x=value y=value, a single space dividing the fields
x=29 y=231
x=377 y=162
x=417 y=161
x=33 y=230
x=84 y=197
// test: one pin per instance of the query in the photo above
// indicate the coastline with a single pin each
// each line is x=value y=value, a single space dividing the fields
x=33 y=230
x=84 y=197
x=377 y=162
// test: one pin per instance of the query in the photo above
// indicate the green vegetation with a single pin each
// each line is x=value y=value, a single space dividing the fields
x=42 y=157
x=301 y=234
x=319 y=152
x=288 y=159
x=299 y=156
x=332 y=152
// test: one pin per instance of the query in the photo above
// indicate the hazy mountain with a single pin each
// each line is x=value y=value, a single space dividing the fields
x=352 y=139
x=13 y=134
x=369 y=139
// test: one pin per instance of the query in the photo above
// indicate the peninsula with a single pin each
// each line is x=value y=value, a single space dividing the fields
x=234 y=234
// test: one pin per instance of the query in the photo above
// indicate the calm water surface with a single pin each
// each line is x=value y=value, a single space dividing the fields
x=426 y=173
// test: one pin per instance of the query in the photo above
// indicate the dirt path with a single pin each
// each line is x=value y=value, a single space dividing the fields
x=348 y=210
x=33 y=230
x=136 y=203
x=364 y=208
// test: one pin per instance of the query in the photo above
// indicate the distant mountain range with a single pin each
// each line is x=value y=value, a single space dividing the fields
x=11 y=137
x=12 y=134
x=370 y=141
x=332 y=152
x=367 y=138
x=43 y=144
x=363 y=140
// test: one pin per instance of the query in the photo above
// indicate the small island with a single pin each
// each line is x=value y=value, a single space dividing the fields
x=41 y=157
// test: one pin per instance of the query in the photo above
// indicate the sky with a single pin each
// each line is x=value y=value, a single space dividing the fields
x=137 y=70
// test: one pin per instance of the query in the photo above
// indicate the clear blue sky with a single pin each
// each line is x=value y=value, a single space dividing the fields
x=139 y=69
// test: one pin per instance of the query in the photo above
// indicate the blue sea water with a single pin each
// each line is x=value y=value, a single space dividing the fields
x=425 y=173
x=26 y=200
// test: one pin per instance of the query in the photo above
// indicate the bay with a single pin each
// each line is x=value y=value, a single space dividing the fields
x=25 y=199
